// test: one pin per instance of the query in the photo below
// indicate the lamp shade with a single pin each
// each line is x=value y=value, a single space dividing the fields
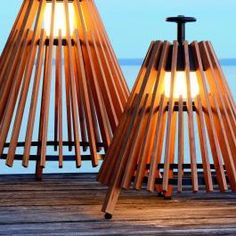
x=60 y=85
x=178 y=127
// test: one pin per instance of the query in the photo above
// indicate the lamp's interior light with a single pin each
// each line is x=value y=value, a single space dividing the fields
x=59 y=18
x=180 y=85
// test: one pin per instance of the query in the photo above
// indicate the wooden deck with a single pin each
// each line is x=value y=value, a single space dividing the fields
x=70 y=204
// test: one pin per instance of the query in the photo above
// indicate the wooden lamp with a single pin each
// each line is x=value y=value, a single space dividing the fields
x=179 y=126
x=60 y=85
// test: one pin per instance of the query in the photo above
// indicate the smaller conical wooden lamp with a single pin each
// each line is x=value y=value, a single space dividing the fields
x=179 y=126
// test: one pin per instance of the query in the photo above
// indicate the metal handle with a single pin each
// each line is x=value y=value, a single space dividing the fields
x=181 y=21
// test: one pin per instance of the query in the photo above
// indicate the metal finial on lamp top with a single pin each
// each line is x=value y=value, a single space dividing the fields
x=181 y=21
x=179 y=126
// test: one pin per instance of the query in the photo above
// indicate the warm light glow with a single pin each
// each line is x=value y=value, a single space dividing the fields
x=60 y=18
x=180 y=85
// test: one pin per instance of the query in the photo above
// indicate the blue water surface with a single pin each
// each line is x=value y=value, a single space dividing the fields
x=130 y=72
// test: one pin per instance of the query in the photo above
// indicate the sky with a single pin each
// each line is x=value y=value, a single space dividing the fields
x=131 y=25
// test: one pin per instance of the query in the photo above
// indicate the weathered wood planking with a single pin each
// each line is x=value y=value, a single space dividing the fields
x=70 y=204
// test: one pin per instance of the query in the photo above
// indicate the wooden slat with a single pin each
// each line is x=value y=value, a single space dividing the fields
x=82 y=119
x=114 y=62
x=34 y=99
x=203 y=144
x=157 y=148
x=124 y=120
x=25 y=85
x=168 y=153
x=209 y=120
x=148 y=136
x=114 y=189
x=220 y=90
x=112 y=108
x=39 y=168
x=111 y=78
x=59 y=94
x=104 y=127
x=180 y=144
x=72 y=88
x=220 y=118
x=86 y=100
x=15 y=61
x=68 y=96
x=191 y=135
x=14 y=36
x=6 y=118
x=226 y=154
x=46 y=93
x=134 y=144
x=135 y=107
x=169 y=191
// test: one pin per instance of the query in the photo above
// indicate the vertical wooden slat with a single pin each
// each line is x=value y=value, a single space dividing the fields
x=109 y=162
x=34 y=99
x=46 y=94
x=136 y=109
x=168 y=153
x=157 y=149
x=14 y=36
x=192 y=143
x=10 y=103
x=112 y=108
x=105 y=176
x=221 y=118
x=203 y=144
x=68 y=97
x=106 y=134
x=220 y=90
x=59 y=97
x=222 y=136
x=82 y=119
x=114 y=189
x=15 y=61
x=220 y=73
x=180 y=143
x=25 y=85
x=117 y=70
x=134 y=144
x=209 y=120
x=72 y=88
x=86 y=100
x=148 y=136
x=116 y=91
x=169 y=191
x=39 y=168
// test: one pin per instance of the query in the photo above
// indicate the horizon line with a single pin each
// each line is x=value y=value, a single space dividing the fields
x=139 y=61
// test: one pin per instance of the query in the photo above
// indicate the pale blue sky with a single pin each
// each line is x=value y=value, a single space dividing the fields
x=132 y=24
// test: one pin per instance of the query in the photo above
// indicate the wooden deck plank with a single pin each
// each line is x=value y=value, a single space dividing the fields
x=70 y=204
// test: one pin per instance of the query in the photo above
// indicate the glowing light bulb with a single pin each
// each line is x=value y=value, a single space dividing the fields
x=59 y=18
x=180 y=84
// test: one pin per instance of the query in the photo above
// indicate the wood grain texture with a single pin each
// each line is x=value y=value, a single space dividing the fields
x=66 y=83
x=166 y=139
x=69 y=204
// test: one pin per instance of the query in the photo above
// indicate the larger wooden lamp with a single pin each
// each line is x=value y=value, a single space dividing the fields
x=179 y=126
x=60 y=85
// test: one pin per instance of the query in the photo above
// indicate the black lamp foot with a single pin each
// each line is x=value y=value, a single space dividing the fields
x=167 y=197
x=108 y=216
x=37 y=178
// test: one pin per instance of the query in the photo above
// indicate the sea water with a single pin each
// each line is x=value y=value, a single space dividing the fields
x=130 y=72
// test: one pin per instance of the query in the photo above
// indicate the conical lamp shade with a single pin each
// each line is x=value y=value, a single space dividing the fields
x=179 y=126
x=60 y=84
